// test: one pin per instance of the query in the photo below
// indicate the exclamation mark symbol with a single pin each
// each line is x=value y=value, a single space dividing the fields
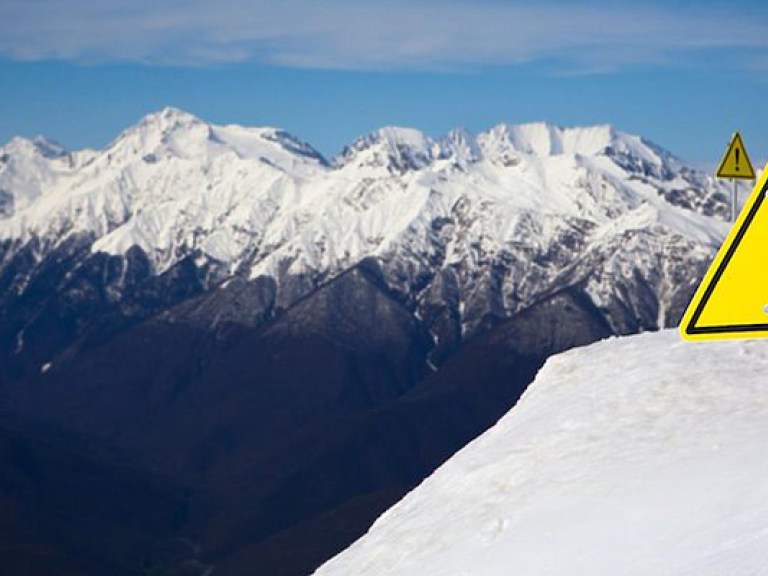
x=737 y=158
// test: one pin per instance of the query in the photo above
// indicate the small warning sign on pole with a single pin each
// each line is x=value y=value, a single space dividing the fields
x=735 y=164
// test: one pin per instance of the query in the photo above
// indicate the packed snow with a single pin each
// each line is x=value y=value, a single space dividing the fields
x=639 y=455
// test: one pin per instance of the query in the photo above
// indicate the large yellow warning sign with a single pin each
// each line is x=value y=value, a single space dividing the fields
x=735 y=164
x=732 y=299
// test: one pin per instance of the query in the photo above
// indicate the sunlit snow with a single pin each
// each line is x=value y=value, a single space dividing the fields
x=640 y=455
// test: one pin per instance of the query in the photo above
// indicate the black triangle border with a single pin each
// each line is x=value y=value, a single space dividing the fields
x=692 y=328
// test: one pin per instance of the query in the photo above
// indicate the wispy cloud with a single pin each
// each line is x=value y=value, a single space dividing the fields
x=368 y=34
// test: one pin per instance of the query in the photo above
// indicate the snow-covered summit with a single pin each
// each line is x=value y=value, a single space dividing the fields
x=175 y=133
x=29 y=167
x=545 y=139
x=640 y=455
x=154 y=185
x=393 y=147
x=39 y=145
x=168 y=118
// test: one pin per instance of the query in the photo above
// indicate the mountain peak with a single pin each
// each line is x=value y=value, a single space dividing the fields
x=172 y=114
x=48 y=147
x=461 y=146
x=172 y=132
x=159 y=129
x=41 y=145
x=165 y=120
x=393 y=147
x=547 y=139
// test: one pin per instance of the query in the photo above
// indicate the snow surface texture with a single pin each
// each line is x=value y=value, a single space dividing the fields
x=492 y=220
x=639 y=455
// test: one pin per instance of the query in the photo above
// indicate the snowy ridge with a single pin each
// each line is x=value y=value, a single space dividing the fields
x=159 y=183
x=640 y=455
x=543 y=139
x=28 y=168
x=510 y=211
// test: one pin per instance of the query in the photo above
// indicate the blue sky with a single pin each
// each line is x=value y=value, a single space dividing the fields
x=684 y=74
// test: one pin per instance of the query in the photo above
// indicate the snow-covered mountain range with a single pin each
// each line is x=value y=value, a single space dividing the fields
x=226 y=307
x=638 y=455
x=465 y=229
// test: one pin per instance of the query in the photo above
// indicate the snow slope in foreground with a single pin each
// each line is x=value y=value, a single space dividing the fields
x=641 y=455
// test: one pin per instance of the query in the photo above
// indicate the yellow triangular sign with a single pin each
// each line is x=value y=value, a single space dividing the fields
x=732 y=299
x=735 y=163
